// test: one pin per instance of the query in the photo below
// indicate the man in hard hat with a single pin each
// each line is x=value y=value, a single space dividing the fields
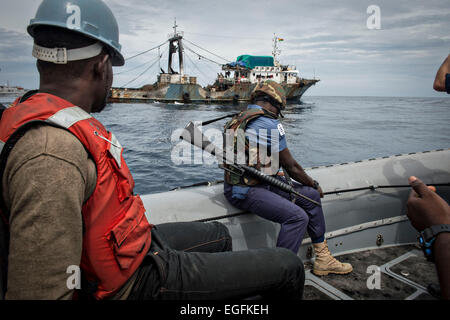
x=258 y=128
x=67 y=196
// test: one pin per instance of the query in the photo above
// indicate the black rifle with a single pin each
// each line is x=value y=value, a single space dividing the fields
x=195 y=137
x=204 y=123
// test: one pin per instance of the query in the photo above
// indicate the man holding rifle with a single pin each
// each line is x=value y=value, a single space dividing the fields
x=257 y=129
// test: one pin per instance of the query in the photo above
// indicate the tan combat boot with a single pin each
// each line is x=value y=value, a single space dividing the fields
x=325 y=263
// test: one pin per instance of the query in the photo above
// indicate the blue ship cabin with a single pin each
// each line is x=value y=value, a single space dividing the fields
x=255 y=61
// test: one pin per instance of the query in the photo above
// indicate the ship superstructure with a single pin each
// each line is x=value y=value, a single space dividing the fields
x=240 y=77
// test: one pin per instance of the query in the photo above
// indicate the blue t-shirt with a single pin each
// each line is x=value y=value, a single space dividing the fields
x=261 y=131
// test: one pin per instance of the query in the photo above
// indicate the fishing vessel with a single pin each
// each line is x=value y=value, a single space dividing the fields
x=234 y=85
x=365 y=213
x=240 y=77
x=171 y=86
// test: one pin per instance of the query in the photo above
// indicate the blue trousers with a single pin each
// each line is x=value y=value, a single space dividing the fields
x=275 y=205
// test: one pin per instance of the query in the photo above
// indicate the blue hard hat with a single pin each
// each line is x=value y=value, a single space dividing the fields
x=91 y=18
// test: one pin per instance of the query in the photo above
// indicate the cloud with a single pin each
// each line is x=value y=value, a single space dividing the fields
x=326 y=38
x=17 y=66
x=15 y=46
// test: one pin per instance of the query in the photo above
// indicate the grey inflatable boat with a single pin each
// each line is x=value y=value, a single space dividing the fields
x=364 y=207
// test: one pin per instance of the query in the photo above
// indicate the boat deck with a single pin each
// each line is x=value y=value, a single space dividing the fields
x=404 y=275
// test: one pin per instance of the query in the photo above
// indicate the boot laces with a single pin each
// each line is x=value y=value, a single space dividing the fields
x=327 y=257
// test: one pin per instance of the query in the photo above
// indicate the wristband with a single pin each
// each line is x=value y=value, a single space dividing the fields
x=427 y=238
x=433 y=231
x=315 y=185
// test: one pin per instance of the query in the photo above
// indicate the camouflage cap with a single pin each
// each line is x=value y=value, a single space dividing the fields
x=272 y=89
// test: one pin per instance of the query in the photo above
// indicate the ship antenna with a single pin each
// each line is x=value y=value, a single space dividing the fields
x=275 y=51
x=175 y=26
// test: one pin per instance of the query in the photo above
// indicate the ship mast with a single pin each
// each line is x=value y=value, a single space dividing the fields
x=275 y=51
x=176 y=37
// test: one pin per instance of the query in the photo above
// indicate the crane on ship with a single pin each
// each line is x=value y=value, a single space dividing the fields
x=176 y=44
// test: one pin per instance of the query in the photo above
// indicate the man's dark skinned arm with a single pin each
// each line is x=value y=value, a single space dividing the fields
x=295 y=170
x=425 y=209
x=439 y=82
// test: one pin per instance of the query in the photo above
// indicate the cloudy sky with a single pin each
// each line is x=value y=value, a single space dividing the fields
x=327 y=39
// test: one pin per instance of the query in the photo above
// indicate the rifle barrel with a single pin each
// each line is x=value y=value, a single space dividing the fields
x=204 y=123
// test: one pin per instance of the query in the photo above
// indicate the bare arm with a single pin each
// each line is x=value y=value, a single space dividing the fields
x=439 y=81
x=425 y=209
x=295 y=170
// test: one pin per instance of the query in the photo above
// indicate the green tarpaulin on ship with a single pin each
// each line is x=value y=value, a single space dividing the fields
x=253 y=61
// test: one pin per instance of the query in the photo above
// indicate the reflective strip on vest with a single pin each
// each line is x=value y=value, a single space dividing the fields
x=2 y=144
x=115 y=149
x=68 y=117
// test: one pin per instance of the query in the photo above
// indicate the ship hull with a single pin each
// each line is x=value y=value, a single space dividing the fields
x=194 y=93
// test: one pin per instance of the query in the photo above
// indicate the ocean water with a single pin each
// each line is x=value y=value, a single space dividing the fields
x=319 y=131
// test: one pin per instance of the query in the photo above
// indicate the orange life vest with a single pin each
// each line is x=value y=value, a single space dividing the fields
x=116 y=234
